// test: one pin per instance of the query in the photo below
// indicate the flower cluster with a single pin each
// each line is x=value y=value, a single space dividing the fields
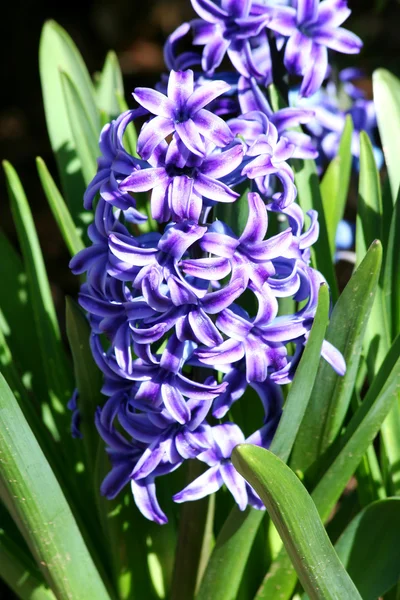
x=186 y=317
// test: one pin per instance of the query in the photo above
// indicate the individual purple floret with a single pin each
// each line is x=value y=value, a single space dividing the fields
x=235 y=28
x=311 y=28
x=179 y=180
x=182 y=111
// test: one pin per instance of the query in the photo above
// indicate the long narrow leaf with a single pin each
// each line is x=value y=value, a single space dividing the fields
x=296 y=518
x=387 y=105
x=85 y=135
x=20 y=572
x=332 y=394
x=335 y=184
x=391 y=281
x=32 y=494
x=55 y=363
x=58 y=53
x=110 y=84
x=375 y=528
x=59 y=209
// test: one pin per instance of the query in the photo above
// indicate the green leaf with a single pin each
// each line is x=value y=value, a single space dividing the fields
x=109 y=86
x=387 y=105
x=16 y=318
x=297 y=520
x=20 y=572
x=84 y=133
x=59 y=209
x=309 y=197
x=377 y=527
x=34 y=498
x=280 y=581
x=58 y=53
x=391 y=280
x=300 y=391
x=87 y=376
x=335 y=184
x=360 y=432
x=332 y=393
x=56 y=367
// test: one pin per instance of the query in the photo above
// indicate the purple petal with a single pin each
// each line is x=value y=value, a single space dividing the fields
x=297 y=52
x=214 y=302
x=206 y=484
x=235 y=484
x=333 y=357
x=152 y=133
x=219 y=165
x=257 y=222
x=116 y=480
x=236 y=8
x=214 y=52
x=233 y=325
x=204 y=329
x=316 y=73
x=149 y=460
x=180 y=196
x=283 y=20
x=338 y=39
x=271 y=248
x=333 y=12
x=122 y=247
x=228 y=352
x=180 y=87
x=189 y=135
x=207 y=268
x=213 y=128
x=307 y=11
x=213 y=189
x=178 y=238
x=221 y=245
x=205 y=94
x=144 y=494
x=175 y=403
x=144 y=180
x=154 y=102
x=256 y=360
x=227 y=436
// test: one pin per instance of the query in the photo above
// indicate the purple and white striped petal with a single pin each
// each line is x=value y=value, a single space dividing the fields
x=144 y=495
x=235 y=484
x=208 y=483
x=154 y=102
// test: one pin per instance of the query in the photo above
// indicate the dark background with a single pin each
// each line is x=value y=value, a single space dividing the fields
x=136 y=30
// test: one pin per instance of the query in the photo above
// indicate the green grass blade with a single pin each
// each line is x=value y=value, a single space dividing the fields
x=59 y=209
x=237 y=536
x=20 y=573
x=391 y=279
x=297 y=520
x=335 y=184
x=16 y=318
x=387 y=105
x=332 y=394
x=360 y=432
x=34 y=498
x=309 y=197
x=55 y=364
x=110 y=84
x=58 y=53
x=378 y=334
x=88 y=378
x=377 y=527
x=85 y=135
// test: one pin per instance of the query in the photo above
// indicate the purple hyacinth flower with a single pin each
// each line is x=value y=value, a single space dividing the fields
x=268 y=156
x=182 y=111
x=233 y=27
x=179 y=180
x=250 y=253
x=312 y=28
x=257 y=112
x=222 y=471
